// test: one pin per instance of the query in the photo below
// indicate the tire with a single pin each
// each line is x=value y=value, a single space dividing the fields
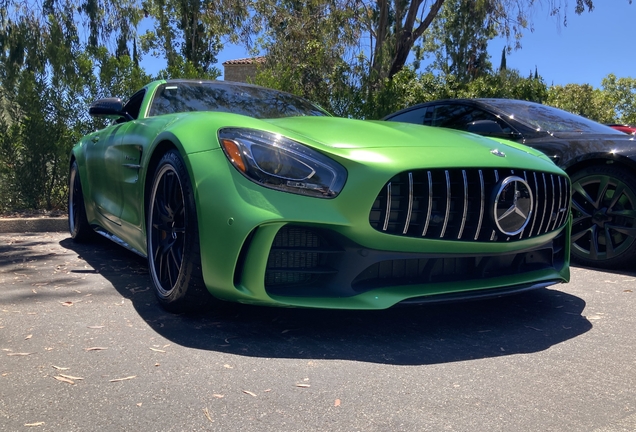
x=174 y=255
x=78 y=226
x=604 y=217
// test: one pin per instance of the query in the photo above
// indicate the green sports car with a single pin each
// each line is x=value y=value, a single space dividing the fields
x=241 y=193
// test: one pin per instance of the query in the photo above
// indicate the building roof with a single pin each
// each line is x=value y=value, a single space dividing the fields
x=245 y=61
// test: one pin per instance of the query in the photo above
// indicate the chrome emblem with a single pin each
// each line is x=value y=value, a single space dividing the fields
x=498 y=152
x=513 y=205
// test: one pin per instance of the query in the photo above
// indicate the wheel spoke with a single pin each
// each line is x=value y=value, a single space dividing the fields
x=579 y=189
x=628 y=231
x=630 y=214
x=579 y=235
x=609 y=245
x=602 y=190
x=576 y=206
x=620 y=189
x=594 y=252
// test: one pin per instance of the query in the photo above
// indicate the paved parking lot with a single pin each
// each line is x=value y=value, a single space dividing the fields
x=84 y=346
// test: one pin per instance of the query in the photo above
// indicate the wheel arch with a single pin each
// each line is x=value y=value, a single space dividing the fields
x=600 y=160
x=162 y=147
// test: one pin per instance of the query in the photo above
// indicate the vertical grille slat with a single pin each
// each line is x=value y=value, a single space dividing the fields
x=547 y=226
x=461 y=228
x=387 y=215
x=536 y=201
x=410 y=208
x=430 y=203
x=482 y=203
x=448 y=203
x=545 y=203
x=457 y=204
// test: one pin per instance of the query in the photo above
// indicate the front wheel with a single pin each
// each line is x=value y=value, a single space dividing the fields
x=78 y=225
x=604 y=217
x=174 y=257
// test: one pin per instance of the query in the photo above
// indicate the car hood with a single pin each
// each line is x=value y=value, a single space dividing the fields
x=370 y=141
x=346 y=133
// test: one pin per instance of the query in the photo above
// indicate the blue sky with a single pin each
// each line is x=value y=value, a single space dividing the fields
x=592 y=46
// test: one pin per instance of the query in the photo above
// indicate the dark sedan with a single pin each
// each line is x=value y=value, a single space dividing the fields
x=601 y=162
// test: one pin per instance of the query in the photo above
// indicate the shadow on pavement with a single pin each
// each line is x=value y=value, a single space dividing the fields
x=412 y=335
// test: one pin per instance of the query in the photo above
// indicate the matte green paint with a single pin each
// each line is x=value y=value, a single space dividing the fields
x=371 y=152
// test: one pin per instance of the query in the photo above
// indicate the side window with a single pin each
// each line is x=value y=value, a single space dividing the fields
x=133 y=106
x=462 y=116
x=415 y=116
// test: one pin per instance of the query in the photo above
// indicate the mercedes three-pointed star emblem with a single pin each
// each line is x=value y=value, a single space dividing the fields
x=513 y=205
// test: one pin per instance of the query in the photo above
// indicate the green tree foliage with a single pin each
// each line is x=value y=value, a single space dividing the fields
x=187 y=33
x=621 y=93
x=48 y=75
x=307 y=45
x=396 y=26
x=458 y=40
x=584 y=100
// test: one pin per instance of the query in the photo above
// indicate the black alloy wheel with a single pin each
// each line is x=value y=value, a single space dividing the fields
x=174 y=258
x=78 y=224
x=604 y=217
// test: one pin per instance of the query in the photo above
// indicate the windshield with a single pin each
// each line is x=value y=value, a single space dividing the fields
x=546 y=118
x=252 y=101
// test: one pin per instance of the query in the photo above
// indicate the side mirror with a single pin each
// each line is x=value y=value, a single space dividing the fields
x=485 y=127
x=109 y=108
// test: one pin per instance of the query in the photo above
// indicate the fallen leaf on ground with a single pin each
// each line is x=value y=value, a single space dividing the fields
x=303 y=385
x=66 y=380
x=249 y=393
x=60 y=368
x=337 y=402
x=627 y=290
x=67 y=303
x=95 y=349
x=207 y=415
x=139 y=404
x=28 y=337
x=157 y=350
x=33 y=424
x=19 y=354
x=124 y=379
x=71 y=377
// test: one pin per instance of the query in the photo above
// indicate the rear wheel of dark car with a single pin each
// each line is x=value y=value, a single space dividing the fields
x=174 y=257
x=604 y=217
x=78 y=224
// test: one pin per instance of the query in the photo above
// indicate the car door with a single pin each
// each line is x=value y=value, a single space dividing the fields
x=103 y=167
x=112 y=163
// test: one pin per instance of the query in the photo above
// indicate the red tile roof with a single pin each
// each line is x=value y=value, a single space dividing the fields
x=245 y=61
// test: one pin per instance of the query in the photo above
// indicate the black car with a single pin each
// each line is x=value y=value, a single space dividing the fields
x=601 y=162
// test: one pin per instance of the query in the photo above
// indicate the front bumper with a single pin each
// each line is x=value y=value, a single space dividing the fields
x=261 y=246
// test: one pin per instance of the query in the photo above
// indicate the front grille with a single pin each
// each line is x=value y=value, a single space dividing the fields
x=457 y=204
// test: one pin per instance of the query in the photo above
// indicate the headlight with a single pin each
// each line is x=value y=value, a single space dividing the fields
x=280 y=163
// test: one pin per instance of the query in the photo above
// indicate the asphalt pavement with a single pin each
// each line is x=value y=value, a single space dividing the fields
x=85 y=347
